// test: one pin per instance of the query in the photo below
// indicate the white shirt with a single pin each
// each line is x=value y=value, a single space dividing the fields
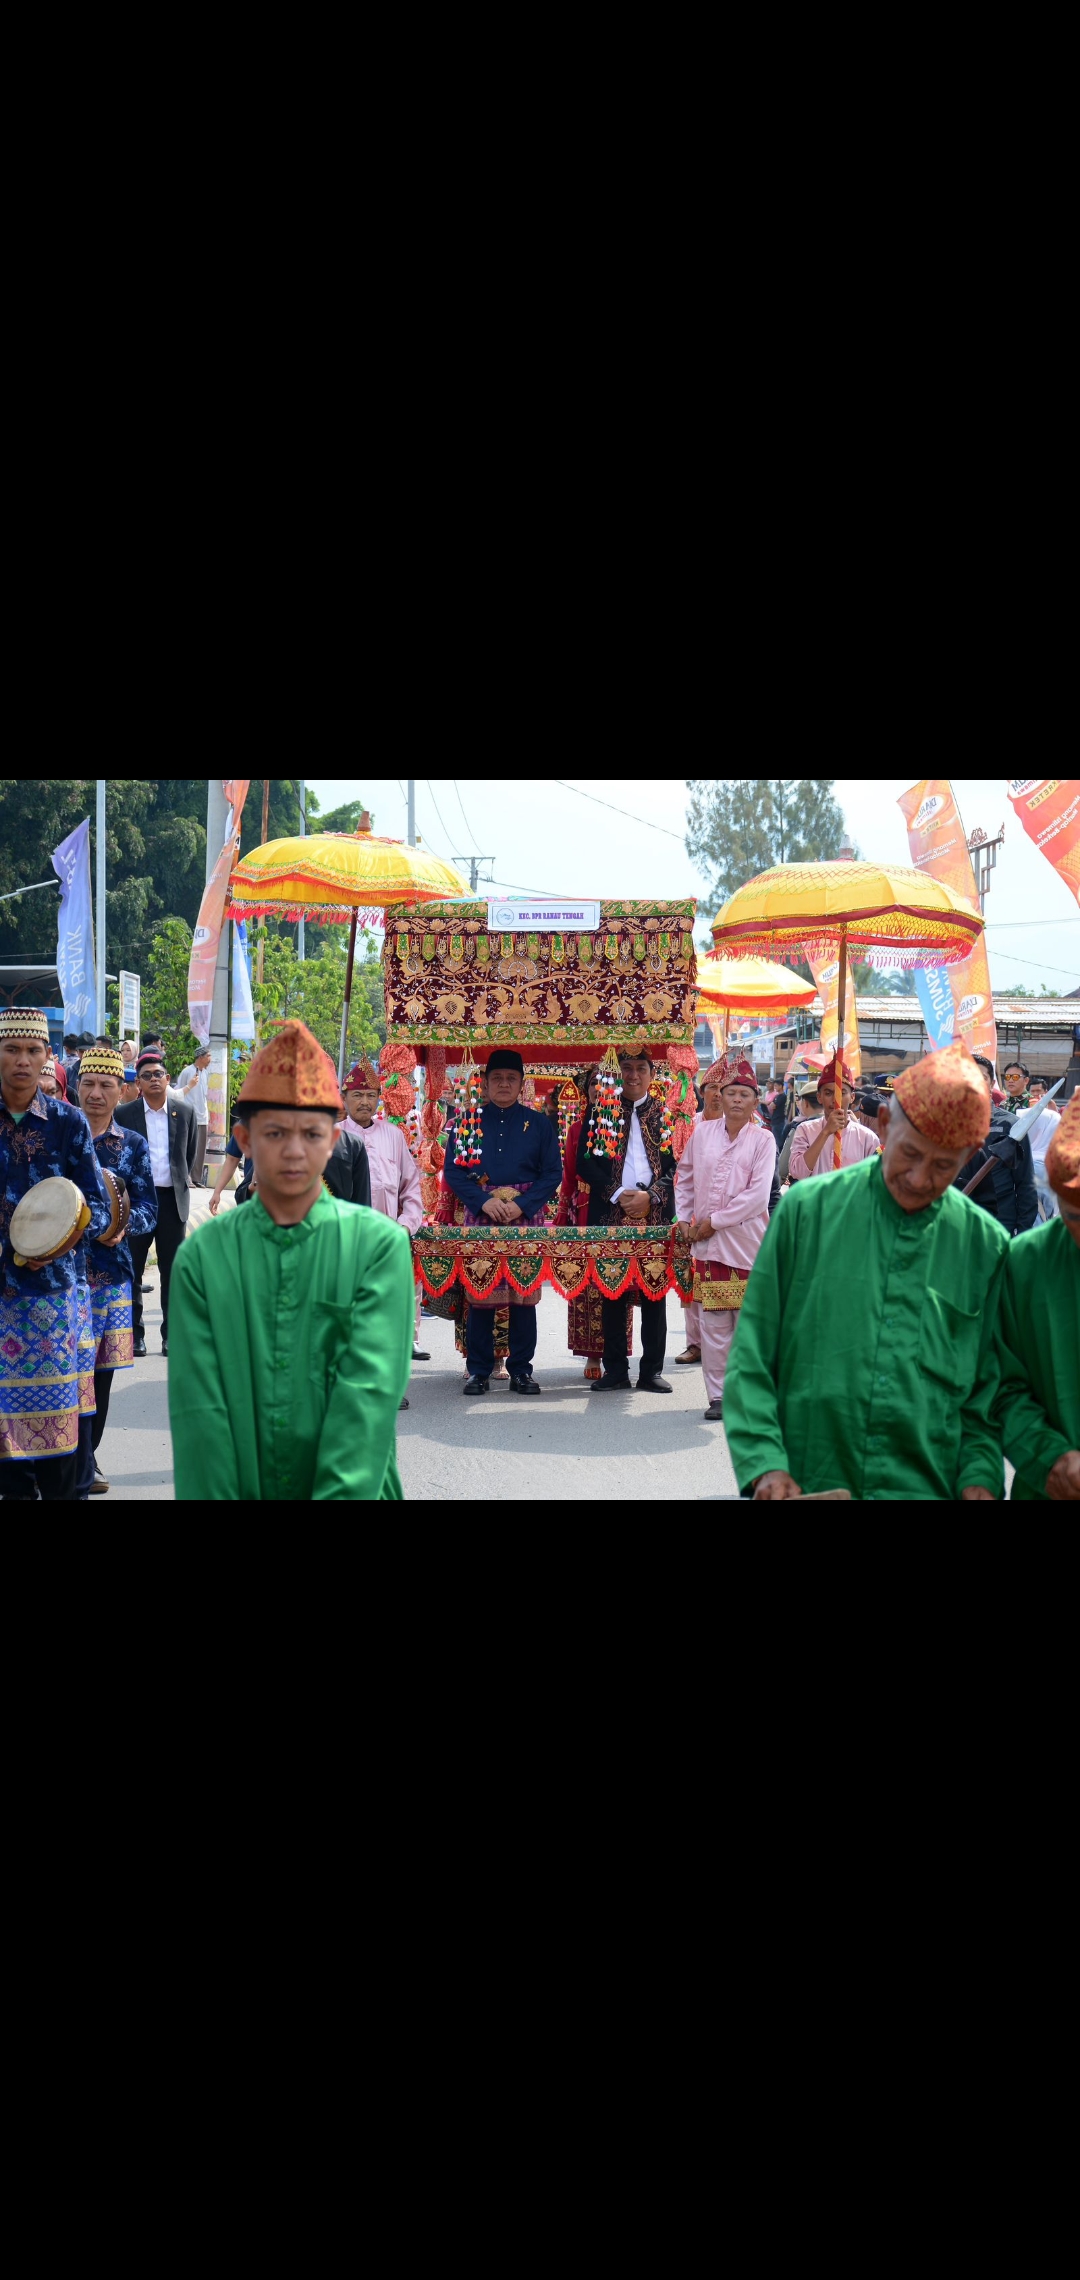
x=637 y=1167
x=157 y=1133
x=197 y=1095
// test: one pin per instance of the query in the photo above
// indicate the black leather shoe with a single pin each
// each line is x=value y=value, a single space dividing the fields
x=653 y=1385
x=164 y=1344
x=476 y=1385
x=139 y=1346
x=403 y=1404
x=146 y=1286
x=611 y=1385
x=99 y=1486
x=418 y=1356
x=714 y=1413
x=523 y=1385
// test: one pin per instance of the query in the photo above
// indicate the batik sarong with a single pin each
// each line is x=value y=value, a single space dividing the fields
x=115 y=1344
x=39 y=1374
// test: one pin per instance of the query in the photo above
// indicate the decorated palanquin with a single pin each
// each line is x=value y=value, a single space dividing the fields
x=454 y=990
x=557 y=997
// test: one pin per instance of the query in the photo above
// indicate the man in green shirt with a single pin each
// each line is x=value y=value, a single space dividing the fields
x=864 y=1354
x=1038 y=1402
x=290 y=1321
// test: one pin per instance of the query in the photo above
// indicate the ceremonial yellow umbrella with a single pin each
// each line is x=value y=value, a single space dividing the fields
x=333 y=876
x=829 y=909
x=748 y=985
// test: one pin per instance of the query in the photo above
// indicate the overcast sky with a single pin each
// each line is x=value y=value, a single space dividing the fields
x=547 y=838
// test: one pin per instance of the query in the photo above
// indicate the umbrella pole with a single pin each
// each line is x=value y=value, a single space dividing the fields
x=348 y=1000
x=841 y=1007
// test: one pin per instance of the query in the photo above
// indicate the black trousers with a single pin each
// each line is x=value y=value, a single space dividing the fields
x=54 y=1479
x=103 y=1391
x=480 y=1340
x=168 y=1236
x=653 y=1337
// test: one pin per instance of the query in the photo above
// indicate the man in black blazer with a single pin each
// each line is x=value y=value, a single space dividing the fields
x=639 y=1186
x=168 y=1126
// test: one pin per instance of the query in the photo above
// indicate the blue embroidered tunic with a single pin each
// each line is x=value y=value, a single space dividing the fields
x=39 y=1307
x=109 y=1266
x=519 y=1151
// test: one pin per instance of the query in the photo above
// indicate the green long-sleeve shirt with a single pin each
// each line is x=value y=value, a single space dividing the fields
x=1038 y=1346
x=863 y=1356
x=289 y=1351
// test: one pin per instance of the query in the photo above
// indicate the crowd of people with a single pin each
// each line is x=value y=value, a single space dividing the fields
x=892 y=1332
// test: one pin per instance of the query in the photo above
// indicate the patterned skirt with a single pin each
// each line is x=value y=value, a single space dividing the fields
x=40 y=1367
x=585 y=1324
x=111 y=1305
x=87 y=1353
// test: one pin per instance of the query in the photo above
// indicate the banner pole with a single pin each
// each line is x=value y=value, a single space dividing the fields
x=100 y=852
x=841 y=1007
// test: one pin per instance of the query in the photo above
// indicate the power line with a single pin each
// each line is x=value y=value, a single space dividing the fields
x=1039 y=962
x=446 y=834
x=998 y=923
x=465 y=820
x=621 y=811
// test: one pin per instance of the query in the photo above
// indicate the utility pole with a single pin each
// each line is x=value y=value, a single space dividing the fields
x=217 y=815
x=300 y=949
x=983 y=852
x=101 y=906
x=472 y=861
x=411 y=830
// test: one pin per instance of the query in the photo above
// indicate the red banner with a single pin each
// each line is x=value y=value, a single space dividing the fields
x=937 y=843
x=1049 y=809
x=207 y=935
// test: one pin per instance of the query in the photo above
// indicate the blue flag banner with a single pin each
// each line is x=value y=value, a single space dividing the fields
x=243 y=1012
x=75 y=930
x=936 y=999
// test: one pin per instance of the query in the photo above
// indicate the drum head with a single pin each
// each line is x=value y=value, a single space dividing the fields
x=47 y=1219
x=119 y=1200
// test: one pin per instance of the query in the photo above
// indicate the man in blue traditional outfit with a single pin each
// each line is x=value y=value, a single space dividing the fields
x=517 y=1178
x=40 y=1139
x=109 y=1266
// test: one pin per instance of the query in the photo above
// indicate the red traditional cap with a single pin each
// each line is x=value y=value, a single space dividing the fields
x=730 y=1070
x=362 y=1078
x=291 y=1071
x=1063 y=1154
x=945 y=1098
x=827 y=1075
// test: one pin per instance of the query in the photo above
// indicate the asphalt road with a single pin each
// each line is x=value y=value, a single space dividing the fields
x=570 y=1445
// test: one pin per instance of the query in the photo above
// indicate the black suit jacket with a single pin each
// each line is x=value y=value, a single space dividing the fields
x=604 y=1177
x=348 y=1173
x=183 y=1141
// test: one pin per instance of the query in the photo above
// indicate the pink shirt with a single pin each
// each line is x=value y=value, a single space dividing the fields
x=730 y=1182
x=395 y=1174
x=856 y=1143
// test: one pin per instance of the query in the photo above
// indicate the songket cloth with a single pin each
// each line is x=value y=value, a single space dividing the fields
x=44 y=1380
x=289 y=1353
x=864 y=1353
x=109 y=1265
x=727 y=1180
x=1038 y=1349
x=856 y=1144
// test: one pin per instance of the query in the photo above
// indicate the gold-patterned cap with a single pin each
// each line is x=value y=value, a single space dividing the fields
x=1063 y=1154
x=20 y=1024
x=292 y=1071
x=945 y=1097
x=102 y=1061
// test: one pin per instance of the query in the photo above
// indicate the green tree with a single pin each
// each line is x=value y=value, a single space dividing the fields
x=165 y=992
x=738 y=826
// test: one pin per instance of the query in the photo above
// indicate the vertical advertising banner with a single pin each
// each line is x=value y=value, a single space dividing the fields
x=75 y=930
x=826 y=973
x=207 y=935
x=937 y=843
x=1049 y=809
x=243 y=1011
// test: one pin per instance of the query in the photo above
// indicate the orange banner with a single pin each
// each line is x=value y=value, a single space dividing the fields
x=937 y=843
x=826 y=973
x=1049 y=809
x=207 y=935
